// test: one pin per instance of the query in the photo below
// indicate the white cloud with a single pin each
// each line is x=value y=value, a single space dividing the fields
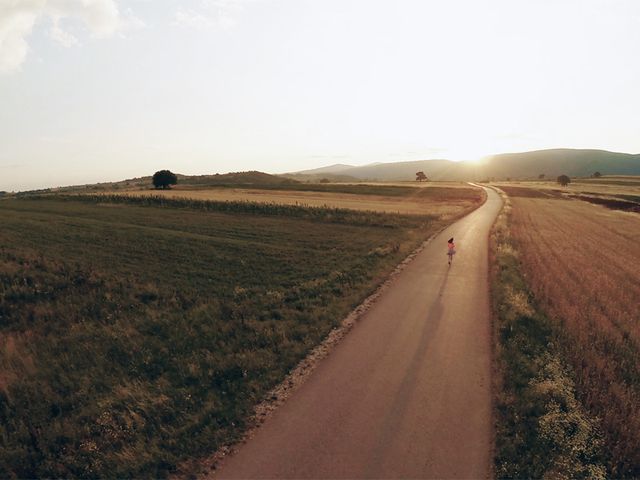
x=14 y=27
x=192 y=19
x=102 y=18
x=212 y=14
x=129 y=21
x=61 y=36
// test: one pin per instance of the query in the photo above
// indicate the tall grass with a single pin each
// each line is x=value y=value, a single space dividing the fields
x=542 y=429
x=433 y=191
x=582 y=263
x=323 y=214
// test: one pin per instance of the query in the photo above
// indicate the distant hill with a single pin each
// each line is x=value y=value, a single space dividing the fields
x=525 y=165
x=336 y=168
x=234 y=178
x=433 y=169
x=332 y=173
x=551 y=163
x=320 y=177
x=400 y=171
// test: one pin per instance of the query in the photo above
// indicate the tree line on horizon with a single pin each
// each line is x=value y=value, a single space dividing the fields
x=164 y=179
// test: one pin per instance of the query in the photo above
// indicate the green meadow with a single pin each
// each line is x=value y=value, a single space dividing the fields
x=135 y=334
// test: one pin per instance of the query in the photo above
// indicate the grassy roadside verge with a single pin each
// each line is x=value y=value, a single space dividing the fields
x=542 y=430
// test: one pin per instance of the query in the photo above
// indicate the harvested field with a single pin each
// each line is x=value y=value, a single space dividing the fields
x=526 y=192
x=582 y=263
x=612 y=203
x=617 y=181
x=616 y=195
x=446 y=202
x=608 y=186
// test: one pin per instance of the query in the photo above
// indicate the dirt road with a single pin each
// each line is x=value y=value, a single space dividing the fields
x=407 y=392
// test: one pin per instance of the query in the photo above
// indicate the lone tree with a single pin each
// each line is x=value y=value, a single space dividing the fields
x=541 y=176
x=164 y=179
x=597 y=175
x=421 y=177
x=564 y=180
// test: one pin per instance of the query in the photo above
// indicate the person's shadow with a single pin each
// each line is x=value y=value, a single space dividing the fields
x=394 y=418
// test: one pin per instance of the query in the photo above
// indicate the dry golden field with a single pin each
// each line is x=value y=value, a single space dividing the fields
x=618 y=185
x=447 y=201
x=582 y=263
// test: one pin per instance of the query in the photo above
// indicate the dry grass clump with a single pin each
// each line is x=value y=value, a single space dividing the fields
x=571 y=434
x=582 y=263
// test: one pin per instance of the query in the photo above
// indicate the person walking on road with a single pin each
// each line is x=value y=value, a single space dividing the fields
x=451 y=249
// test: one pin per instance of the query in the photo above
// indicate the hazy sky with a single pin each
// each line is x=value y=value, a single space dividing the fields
x=99 y=90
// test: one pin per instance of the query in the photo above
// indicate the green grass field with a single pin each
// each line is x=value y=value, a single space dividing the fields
x=133 y=337
x=408 y=190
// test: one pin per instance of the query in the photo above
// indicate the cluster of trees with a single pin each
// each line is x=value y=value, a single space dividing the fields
x=564 y=180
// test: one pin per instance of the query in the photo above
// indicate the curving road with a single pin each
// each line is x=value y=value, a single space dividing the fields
x=407 y=393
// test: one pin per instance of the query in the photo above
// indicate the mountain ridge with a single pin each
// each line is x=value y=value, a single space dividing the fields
x=519 y=165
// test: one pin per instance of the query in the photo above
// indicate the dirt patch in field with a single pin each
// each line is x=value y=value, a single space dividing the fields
x=611 y=203
x=523 y=192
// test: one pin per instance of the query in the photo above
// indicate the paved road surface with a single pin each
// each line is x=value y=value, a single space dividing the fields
x=406 y=394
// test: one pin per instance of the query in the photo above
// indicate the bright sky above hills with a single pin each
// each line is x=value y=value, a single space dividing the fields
x=101 y=90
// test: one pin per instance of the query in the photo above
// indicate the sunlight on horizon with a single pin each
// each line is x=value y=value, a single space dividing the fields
x=101 y=90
